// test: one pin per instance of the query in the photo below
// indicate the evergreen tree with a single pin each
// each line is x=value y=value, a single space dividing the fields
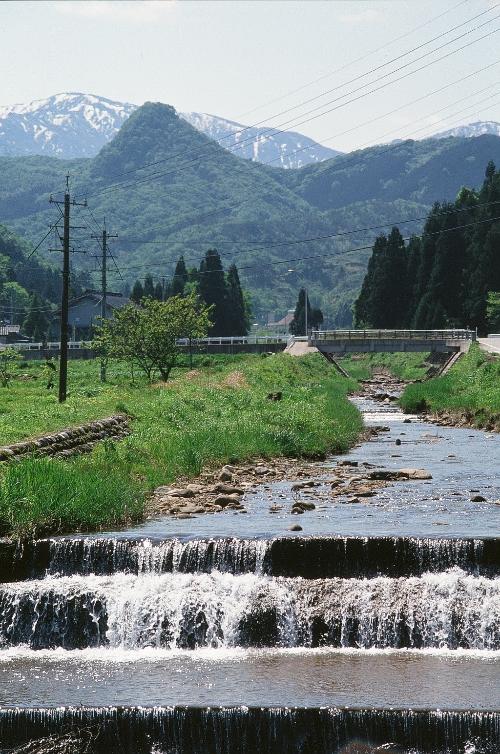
x=383 y=300
x=213 y=291
x=167 y=290
x=149 y=287
x=137 y=292
x=298 y=323
x=180 y=278
x=237 y=317
x=445 y=278
x=37 y=319
x=158 y=295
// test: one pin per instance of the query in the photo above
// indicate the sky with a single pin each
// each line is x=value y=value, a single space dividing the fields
x=260 y=61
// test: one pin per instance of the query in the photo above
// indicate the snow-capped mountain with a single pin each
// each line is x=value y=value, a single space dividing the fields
x=287 y=150
x=73 y=124
x=65 y=125
x=472 y=129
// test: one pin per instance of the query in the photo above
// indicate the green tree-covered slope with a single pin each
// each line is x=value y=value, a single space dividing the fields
x=205 y=197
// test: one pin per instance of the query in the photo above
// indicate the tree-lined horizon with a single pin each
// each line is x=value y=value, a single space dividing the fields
x=447 y=277
x=216 y=288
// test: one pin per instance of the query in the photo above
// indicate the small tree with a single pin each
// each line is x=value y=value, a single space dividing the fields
x=8 y=357
x=149 y=287
x=137 y=292
x=180 y=278
x=147 y=336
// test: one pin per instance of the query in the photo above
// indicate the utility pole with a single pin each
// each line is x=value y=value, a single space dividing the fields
x=63 y=353
x=306 y=302
x=104 y=262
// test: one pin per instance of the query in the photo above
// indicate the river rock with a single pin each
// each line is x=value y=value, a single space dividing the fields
x=226 y=475
x=302 y=485
x=181 y=492
x=295 y=527
x=303 y=505
x=478 y=499
x=416 y=474
x=224 y=500
x=348 y=463
x=228 y=489
x=400 y=474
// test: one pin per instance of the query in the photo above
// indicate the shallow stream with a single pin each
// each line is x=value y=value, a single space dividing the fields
x=349 y=637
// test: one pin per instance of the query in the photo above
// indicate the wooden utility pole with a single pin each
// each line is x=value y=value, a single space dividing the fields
x=104 y=262
x=63 y=353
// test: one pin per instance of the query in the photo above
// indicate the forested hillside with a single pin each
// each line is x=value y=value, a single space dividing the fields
x=25 y=283
x=447 y=277
x=197 y=196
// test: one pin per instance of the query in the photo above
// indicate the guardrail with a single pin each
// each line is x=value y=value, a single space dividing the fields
x=393 y=335
x=222 y=341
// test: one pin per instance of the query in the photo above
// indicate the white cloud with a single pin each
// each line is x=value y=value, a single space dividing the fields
x=137 y=11
x=365 y=16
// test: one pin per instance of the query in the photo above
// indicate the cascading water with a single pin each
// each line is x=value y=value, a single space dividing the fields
x=450 y=609
x=405 y=623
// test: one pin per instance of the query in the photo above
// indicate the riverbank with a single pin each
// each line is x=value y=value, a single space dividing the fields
x=468 y=396
x=233 y=409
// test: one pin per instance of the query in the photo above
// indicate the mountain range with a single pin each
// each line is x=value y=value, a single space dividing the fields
x=73 y=124
x=284 y=228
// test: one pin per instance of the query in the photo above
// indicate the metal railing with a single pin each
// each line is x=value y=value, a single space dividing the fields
x=393 y=335
x=222 y=341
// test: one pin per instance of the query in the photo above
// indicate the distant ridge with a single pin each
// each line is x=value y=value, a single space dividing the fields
x=73 y=124
x=478 y=128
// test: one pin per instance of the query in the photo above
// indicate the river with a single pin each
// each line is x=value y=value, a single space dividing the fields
x=374 y=629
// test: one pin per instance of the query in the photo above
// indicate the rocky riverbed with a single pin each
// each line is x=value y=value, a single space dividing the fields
x=224 y=489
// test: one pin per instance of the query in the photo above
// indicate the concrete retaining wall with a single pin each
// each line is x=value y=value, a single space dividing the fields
x=70 y=441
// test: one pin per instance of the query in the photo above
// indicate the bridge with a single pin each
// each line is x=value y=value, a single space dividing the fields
x=335 y=343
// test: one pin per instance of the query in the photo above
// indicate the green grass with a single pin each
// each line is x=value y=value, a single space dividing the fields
x=471 y=386
x=218 y=414
x=404 y=366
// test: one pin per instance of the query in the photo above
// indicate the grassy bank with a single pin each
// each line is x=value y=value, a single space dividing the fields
x=404 y=366
x=471 y=389
x=214 y=414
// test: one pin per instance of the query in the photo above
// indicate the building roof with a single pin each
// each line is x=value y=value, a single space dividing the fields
x=114 y=300
x=9 y=329
x=284 y=321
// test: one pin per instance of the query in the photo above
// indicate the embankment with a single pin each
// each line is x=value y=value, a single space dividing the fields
x=467 y=396
x=203 y=418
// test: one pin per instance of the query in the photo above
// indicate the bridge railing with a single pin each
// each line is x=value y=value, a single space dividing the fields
x=222 y=341
x=330 y=335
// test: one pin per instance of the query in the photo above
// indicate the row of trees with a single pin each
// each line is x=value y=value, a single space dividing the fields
x=215 y=288
x=448 y=276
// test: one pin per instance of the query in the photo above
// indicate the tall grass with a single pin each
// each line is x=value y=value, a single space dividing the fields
x=404 y=366
x=178 y=429
x=472 y=385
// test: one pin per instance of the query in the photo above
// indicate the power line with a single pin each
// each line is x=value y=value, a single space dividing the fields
x=337 y=253
x=353 y=62
x=276 y=130
x=354 y=231
x=344 y=159
x=352 y=250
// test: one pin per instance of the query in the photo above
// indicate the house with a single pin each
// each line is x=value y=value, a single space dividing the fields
x=282 y=326
x=10 y=334
x=84 y=311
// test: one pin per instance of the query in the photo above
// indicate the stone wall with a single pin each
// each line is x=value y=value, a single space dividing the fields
x=68 y=442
